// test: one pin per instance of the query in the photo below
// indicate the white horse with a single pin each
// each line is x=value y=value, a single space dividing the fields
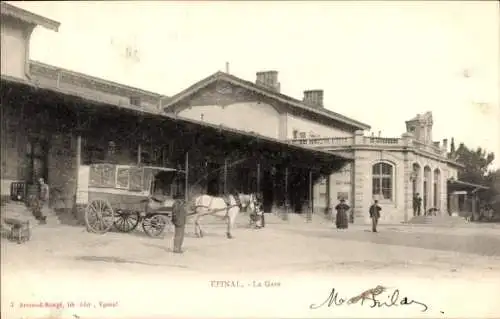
x=227 y=207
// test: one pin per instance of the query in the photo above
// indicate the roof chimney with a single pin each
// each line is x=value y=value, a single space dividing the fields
x=313 y=98
x=268 y=79
x=445 y=144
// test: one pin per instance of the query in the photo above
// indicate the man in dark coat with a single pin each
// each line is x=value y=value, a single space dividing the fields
x=375 y=215
x=417 y=204
x=179 y=216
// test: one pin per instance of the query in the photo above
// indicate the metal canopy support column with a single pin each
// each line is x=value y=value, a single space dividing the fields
x=78 y=162
x=78 y=150
x=310 y=208
x=186 y=177
x=258 y=179
x=329 y=202
x=140 y=147
x=286 y=194
x=78 y=159
x=139 y=153
x=225 y=176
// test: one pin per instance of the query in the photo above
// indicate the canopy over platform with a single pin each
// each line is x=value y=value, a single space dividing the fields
x=71 y=104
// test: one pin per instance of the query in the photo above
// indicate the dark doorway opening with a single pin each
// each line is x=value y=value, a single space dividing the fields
x=213 y=170
x=37 y=156
x=298 y=190
x=267 y=191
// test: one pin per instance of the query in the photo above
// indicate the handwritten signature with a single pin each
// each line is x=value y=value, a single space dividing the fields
x=369 y=297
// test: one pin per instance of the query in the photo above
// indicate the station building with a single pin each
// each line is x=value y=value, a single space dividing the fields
x=56 y=121
x=300 y=155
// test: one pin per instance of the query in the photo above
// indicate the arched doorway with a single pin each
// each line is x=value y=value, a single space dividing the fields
x=437 y=189
x=416 y=178
x=427 y=188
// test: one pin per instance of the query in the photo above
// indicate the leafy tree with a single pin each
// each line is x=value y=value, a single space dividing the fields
x=494 y=183
x=477 y=169
x=476 y=162
x=494 y=191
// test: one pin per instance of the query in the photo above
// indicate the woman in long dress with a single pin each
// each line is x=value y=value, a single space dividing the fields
x=341 y=221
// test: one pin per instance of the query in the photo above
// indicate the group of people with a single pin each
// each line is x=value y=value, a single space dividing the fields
x=342 y=221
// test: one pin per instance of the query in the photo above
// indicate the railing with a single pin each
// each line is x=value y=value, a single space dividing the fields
x=382 y=140
x=341 y=142
x=17 y=191
x=427 y=147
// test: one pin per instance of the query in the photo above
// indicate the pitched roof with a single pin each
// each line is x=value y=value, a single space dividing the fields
x=48 y=69
x=265 y=91
x=28 y=17
x=5 y=79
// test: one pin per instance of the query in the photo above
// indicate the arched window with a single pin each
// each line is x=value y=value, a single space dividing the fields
x=382 y=180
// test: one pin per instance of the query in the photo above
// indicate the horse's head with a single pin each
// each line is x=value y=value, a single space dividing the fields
x=248 y=201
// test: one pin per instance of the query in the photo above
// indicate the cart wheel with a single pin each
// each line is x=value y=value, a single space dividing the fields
x=155 y=225
x=127 y=221
x=99 y=216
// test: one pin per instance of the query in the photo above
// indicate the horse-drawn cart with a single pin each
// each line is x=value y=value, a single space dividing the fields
x=124 y=196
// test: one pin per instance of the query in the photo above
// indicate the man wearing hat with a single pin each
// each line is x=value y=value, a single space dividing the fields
x=179 y=215
x=375 y=215
x=341 y=221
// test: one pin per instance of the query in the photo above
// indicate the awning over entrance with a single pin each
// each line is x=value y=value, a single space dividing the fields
x=462 y=186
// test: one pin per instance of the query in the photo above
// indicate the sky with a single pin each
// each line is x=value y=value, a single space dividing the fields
x=378 y=62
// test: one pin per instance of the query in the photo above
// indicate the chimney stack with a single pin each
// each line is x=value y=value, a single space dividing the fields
x=445 y=144
x=268 y=79
x=313 y=97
